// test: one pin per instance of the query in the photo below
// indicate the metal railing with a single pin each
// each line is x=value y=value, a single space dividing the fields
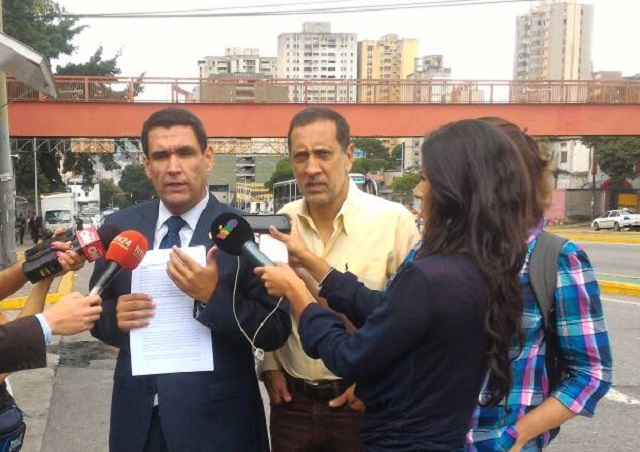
x=330 y=91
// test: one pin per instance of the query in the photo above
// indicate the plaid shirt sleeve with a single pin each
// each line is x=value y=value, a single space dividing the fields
x=582 y=333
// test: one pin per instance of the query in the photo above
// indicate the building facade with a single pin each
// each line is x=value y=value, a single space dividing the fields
x=553 y=42
x=316 y=53
x=387 y=58
x=238 y=60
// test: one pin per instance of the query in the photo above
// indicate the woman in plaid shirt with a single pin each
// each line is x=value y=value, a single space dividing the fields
x=529 y=417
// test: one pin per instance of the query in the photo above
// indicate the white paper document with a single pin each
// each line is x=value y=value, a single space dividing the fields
x=274 y=249
x=173 y=341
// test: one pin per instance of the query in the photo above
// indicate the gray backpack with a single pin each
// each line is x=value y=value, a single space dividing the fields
x=543 y=269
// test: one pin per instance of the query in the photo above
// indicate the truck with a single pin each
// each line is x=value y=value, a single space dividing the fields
x=58 y=211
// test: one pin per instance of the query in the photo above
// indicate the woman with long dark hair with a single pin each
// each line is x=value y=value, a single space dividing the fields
x=424 y=346
x=560 y=370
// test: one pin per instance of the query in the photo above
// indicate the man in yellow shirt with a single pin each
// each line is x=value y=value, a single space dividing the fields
x=312 y=409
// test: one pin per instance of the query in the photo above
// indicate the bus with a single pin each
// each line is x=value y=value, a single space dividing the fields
x=286 y=191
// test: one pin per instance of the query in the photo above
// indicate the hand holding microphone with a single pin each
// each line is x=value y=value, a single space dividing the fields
x=88 y=242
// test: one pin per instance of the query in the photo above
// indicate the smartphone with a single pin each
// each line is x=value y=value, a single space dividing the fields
x=260 y=223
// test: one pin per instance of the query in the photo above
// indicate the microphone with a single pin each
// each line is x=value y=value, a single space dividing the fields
x=233 y=234
x=126 y=251
x=89 y=242
x=45 y=246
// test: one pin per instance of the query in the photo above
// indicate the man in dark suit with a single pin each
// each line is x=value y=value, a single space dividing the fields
x=220 y=410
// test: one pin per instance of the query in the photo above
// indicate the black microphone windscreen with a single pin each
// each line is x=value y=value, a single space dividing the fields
x=107 y=232
x=230 y=231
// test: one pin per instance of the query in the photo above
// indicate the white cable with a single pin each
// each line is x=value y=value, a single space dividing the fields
x=258 y=353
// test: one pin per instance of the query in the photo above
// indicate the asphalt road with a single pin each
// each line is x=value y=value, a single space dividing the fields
x=614 y=258
x=616 y=424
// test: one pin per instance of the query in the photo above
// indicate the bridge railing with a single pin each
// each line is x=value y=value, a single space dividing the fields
x=330 y=91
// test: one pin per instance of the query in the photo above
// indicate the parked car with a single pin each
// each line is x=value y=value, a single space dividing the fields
x=617 y=219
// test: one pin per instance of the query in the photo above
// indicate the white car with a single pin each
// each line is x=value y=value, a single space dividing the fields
x=617 y=219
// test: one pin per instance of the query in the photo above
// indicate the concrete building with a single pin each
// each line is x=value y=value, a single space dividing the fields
x=553 y=42
x=218 y=75
x=387 y=58
x=238 y=60
x=430 y=67
x=317 y=53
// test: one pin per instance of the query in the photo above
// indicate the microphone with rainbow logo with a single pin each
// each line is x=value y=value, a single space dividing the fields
x=233 y=234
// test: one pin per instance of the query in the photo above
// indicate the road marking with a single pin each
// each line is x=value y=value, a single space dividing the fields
x=616 y=396
x=635 y=303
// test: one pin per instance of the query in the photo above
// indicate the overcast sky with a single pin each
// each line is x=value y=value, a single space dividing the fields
x=476 y=41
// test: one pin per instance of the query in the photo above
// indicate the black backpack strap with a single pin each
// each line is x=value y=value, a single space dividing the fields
x=543 y=270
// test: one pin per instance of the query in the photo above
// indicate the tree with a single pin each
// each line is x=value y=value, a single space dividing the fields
x=618 y=157
x=23 y=168
x=364 y=165
x=283 y=171
x=37 y=23
x=109 y=193
x=135 y=181
x=372 y=147
x=403 y=187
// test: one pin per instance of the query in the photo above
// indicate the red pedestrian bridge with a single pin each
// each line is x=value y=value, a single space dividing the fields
x=101 y=107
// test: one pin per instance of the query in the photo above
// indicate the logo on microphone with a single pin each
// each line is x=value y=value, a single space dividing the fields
x=227 y=229
x=123 y=242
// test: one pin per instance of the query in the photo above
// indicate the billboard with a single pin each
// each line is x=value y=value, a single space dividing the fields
x=93 y=146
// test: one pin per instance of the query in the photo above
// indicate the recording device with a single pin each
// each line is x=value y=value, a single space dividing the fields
x=45 y=245
x=125 y=252
x=260 y=223
x=89 y=242
x=233 y=234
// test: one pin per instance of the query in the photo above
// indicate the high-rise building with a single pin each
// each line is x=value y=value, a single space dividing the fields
x=238 y=60
x=388 y=58
x=553 y=42
x=317 y=53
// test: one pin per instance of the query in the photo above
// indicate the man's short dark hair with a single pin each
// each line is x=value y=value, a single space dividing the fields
x=170 y=117
x=314 y=114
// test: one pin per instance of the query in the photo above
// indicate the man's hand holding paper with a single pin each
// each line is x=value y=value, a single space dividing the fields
x=195 y=280
x=172 y=341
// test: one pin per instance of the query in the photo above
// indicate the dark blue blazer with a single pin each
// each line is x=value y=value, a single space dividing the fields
x=200 y=411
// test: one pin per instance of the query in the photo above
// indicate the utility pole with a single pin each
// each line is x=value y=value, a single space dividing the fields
x=7 y=182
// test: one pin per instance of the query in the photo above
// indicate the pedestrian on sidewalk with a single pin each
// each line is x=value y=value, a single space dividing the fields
x=544 y=398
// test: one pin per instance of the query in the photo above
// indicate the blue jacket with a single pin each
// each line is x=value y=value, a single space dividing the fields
x=200 y=411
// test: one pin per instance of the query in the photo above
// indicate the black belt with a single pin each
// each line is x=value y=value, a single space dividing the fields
x=323 y=390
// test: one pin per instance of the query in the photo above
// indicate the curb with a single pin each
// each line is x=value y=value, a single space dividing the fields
x=65 y=286
x=593 y=239
x=619 y=288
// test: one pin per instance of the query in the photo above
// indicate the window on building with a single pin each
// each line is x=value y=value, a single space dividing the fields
x=563 y=156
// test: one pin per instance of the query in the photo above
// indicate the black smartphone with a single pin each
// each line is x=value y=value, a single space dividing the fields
x=260 y=223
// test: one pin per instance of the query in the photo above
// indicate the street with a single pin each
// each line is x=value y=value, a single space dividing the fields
x=69 y=401
x=614 y=258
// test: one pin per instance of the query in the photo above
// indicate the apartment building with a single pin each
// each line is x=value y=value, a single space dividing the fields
x=387 y=58
x=316 y=53
x=553 y=42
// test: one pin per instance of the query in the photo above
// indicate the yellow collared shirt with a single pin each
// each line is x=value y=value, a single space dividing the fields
x=371 y=237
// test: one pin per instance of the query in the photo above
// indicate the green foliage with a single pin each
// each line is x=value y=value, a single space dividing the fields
x=402 y=187
x=135 y=181
x=283 y=171
x=37 y=24
x=365 y=165
x=23 y=168
x=95 y=66
x=618 y=157
x=110 y=193
x=372 y=147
